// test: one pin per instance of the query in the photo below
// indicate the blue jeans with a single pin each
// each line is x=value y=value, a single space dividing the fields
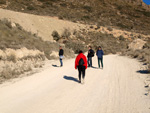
x=89 y=61
x=61 y=63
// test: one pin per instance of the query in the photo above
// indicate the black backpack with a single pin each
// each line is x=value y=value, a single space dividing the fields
x=92 y=53
x=81 y=62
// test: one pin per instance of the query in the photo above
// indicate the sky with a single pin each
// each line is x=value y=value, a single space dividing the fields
x=146 y=2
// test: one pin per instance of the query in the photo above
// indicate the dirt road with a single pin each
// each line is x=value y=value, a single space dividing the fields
x=117 y=88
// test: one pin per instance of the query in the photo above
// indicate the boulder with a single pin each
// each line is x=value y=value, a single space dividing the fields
x=137 y=44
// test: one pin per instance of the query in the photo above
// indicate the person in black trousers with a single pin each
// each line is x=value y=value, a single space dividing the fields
x=61 y=53
x=81 y=65
x=89 y=56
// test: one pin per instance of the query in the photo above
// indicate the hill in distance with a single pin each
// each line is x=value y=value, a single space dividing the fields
x=131 y=15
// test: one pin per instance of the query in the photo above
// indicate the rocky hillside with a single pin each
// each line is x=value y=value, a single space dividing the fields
x=132 y=15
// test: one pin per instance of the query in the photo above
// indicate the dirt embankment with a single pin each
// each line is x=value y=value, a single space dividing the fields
x=40 y=25
x=21 y=51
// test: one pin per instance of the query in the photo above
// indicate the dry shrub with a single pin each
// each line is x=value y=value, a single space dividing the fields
x=6 y=73
x=55 y=35
x=66 y=33
x=6 y=22
x=12 y=58
x=3 y=2
x=108 y=42
x=75 y=46
x=12 y=70
x=110 y=28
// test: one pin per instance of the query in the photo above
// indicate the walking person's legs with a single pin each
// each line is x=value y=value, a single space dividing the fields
x=61 y=63
x=79 y=70
x=101 y=62
x=83 y=74
x=90 y=61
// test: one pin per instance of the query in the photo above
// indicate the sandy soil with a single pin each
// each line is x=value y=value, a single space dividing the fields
x=40 y=25
x=118 y=88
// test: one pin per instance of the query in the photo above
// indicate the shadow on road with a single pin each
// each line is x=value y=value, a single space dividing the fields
x=143 y=71
x=94 y=67
x=55 y=65
x=71 y=78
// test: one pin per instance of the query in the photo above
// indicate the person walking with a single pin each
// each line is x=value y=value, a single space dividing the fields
x=100 y=54
x=81 y=64
x=61 y=53
x=89 y=56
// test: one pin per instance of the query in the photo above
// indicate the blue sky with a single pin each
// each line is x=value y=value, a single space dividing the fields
x=147 y=2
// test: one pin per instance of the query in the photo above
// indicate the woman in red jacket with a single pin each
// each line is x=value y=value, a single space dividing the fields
x=81 y=64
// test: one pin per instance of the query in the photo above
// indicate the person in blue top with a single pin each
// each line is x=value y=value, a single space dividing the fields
x=100 y=54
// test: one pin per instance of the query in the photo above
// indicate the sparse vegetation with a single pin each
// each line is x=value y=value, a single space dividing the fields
x=17 y=38
x=3 y=2
x=76 y=46
x=30 y=8
x=125 y=15
x=66 y=33
x=106 y=41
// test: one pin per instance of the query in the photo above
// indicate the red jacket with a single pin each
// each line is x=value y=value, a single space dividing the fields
x=81 y=55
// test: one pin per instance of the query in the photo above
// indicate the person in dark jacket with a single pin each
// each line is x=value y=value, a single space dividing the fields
x=61 y=53
x=81 y=64
x=89 y=56
x=100 y=54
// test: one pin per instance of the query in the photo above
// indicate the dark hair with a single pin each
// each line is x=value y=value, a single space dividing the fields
x=80 y=51
x=99 y=47
x=90 y=47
